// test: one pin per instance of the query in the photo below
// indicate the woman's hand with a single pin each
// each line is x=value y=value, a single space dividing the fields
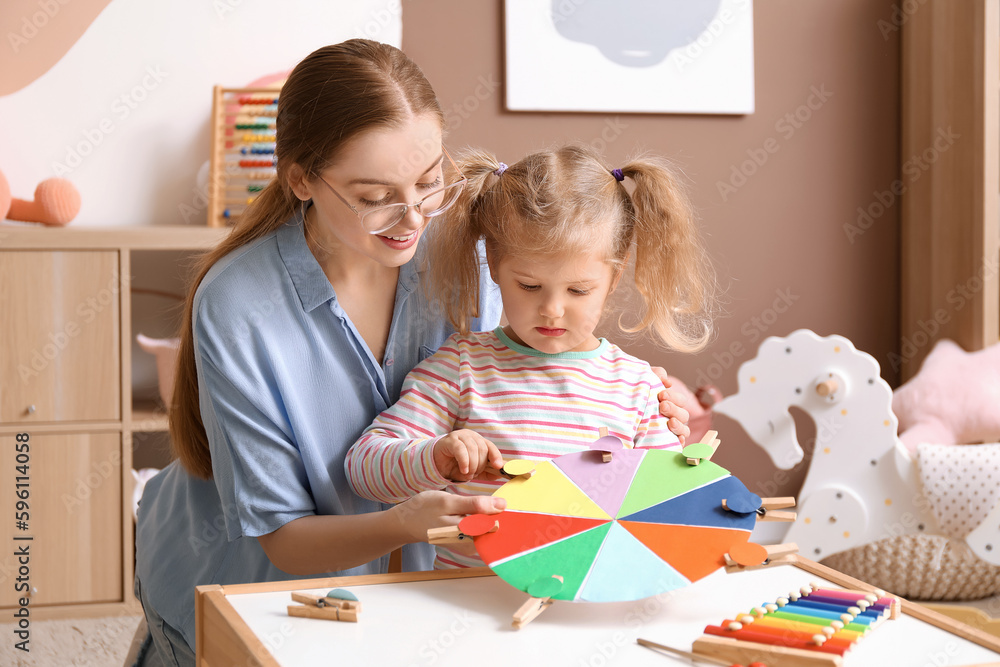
x=671 y=406
x=463 y=455
x=434 y=509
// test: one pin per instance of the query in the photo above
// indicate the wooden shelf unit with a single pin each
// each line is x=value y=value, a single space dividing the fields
x=951 y=170
x=66 y=380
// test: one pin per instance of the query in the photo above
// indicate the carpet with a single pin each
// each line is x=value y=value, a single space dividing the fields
x=85 y=642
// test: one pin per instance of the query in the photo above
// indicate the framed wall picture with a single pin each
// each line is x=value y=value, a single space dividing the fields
x=642 y=56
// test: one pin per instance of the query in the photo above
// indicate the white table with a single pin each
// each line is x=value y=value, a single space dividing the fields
x=463 y=618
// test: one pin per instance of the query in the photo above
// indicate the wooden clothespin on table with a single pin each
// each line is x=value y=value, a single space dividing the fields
x=541 y=593
x=337 y=605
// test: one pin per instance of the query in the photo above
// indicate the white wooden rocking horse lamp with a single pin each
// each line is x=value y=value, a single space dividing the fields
x=862 y=484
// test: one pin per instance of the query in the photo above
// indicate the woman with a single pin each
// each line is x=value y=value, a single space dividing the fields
x=312 y=301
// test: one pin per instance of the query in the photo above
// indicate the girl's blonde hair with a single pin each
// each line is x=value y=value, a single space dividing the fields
x=568 y=199
x=333 y=95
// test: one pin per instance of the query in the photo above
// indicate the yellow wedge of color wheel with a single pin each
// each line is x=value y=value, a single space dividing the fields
x=549 y=491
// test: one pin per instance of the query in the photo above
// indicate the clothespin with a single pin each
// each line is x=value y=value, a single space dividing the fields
x=751 y=556
x=605 y=456
x=767 y=510
x=702 y=451
x=528 y=611
x=607 y=445
x=512 y=469
x=541 y=592
x=765 y=513
x=336 y=605
x=469 y=527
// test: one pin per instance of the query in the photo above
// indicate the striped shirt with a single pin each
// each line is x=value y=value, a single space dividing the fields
x=530 y=404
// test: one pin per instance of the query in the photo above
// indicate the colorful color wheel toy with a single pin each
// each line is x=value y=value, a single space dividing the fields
x=614 y=524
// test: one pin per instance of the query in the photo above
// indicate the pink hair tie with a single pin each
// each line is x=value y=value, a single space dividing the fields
x=619 y=176
x=500 y=170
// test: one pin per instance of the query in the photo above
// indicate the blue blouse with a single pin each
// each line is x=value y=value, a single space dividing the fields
x=287 y=384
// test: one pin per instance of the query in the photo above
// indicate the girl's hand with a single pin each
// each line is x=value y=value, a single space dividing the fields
x=671 y=407
x=463 y=455
x=434 y=509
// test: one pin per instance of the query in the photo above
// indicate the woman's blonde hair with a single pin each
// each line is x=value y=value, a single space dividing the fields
x=568 y=199
x=333 y=95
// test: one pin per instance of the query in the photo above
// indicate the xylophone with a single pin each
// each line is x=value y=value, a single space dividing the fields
x=811 y=626
x=242 y=161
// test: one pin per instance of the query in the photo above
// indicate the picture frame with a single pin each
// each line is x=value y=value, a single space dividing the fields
x=621 y=56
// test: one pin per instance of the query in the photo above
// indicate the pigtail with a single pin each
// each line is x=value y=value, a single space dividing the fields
x=672 y=272
x=452 y=259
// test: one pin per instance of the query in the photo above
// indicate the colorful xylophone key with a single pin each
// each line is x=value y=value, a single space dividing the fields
x=813 y=619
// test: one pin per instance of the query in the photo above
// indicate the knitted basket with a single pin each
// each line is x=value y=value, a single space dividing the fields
x=921 y=567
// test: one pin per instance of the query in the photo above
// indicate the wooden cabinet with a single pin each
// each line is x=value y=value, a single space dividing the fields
x=66 y=382
x=60 y=355
x=74 y=512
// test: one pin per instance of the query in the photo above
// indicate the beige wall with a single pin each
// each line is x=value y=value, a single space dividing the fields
x=779 y=241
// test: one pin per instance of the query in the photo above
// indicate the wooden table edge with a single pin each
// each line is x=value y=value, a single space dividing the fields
x=212 y=608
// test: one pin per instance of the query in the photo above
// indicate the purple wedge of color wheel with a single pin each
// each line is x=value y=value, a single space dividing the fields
x=604 y=483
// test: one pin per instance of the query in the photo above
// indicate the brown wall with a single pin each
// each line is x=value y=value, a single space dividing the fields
x=779 y=241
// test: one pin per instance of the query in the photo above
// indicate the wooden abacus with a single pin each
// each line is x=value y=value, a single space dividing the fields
x=242 y=160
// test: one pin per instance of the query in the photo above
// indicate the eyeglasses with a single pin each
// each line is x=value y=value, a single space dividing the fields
x=378 y=220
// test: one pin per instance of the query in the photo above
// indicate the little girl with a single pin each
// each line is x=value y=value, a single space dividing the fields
x=559 y=227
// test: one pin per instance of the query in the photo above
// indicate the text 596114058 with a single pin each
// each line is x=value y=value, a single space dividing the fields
x=22 y=540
